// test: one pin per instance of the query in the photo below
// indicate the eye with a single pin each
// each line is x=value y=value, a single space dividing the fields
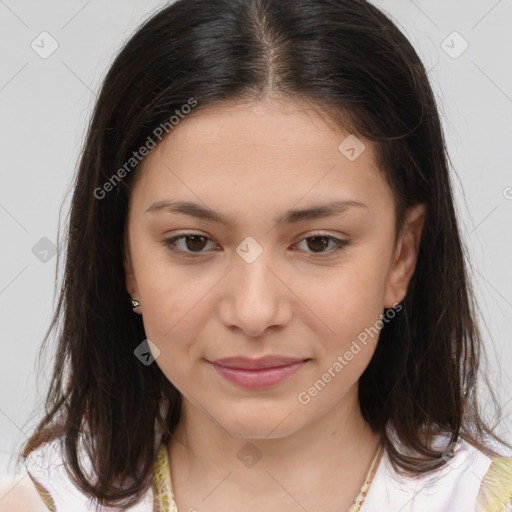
x=318 y=242
x=191 y=243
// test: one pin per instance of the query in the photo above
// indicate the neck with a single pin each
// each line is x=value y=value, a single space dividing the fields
x=335 y=452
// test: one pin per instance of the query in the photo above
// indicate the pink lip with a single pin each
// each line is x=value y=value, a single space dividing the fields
x=257 y=373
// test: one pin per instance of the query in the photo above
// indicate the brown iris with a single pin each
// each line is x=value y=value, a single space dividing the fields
x=198 y=242
x=319 y=242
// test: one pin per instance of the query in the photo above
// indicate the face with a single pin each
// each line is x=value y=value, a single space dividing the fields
x=254 y=267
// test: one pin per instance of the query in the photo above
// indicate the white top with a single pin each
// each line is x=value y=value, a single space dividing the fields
x=454 y=488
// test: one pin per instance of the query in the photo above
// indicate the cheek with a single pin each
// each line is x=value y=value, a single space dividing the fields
x=175 y=309
x=350 y=303
x=171 y=314
x=171 y=322
x=169 y=293
x=352 y=295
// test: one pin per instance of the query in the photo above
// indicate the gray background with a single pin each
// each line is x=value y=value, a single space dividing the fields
x=45 y=104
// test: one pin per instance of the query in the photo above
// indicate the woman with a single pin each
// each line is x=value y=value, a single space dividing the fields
x=265 y=183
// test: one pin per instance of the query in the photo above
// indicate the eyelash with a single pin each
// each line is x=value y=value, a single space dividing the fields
x=170 y=243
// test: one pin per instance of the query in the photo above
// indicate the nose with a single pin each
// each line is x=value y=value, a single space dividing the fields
x=255 y=298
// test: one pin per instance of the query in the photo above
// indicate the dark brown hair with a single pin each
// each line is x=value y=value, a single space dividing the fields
x=352 y=63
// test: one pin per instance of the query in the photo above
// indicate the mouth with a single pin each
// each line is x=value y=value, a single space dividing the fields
x=259 y=373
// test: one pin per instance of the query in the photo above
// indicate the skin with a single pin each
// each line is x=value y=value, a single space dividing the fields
x=253 y=162
x=20 y=495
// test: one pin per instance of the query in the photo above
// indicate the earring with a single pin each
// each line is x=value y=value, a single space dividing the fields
x=135 y=303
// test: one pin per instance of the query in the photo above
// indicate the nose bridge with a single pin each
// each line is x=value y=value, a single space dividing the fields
x=256 y=296
x=252 y=268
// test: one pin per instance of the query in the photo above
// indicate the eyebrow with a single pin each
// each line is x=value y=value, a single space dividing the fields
x=290 y=217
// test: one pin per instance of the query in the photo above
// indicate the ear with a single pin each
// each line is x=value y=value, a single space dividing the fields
x=405 y=257
x=130 y=281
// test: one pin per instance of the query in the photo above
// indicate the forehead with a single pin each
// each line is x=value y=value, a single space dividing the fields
x=267 y=151
x=271 y=126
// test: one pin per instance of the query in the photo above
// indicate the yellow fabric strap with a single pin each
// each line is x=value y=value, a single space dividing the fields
x=162 y=485
x=496 y=489
x=44 y=493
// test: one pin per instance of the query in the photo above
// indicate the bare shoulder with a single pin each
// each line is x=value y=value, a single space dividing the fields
x=20 y=495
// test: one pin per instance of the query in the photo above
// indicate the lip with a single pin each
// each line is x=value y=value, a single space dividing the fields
x=258 y=373
x=246 y=363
